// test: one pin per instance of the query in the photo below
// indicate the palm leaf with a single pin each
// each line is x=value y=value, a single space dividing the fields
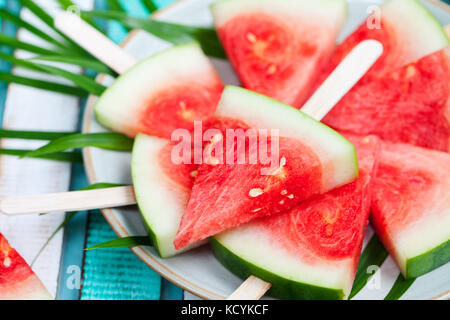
x=48 y=20
x=79 y=80
x=32 y=135
x=17 y=44
x=115 y=5
x=57 y=156
x=126 y=242
x=81 y=62
x=171 y=32
x=373 y=255
x=42 y=84
x=109 y=141
x=399 y=289
x=66 y=4
x=24 y=24
x=150 y=5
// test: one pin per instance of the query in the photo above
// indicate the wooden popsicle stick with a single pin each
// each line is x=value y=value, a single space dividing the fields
x=69 y=201
x=252 y=289
x=335 y=87
x=343 y=78
x=94 y=42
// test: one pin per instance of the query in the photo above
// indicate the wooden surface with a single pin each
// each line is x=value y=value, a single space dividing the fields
x=32 y=109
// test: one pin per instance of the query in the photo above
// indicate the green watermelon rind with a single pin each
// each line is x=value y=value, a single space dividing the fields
x=148 y=225
x=428 y=261
x=282 y=287
x=438 y=25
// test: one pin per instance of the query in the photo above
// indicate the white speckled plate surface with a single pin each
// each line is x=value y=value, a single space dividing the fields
x=198 y=271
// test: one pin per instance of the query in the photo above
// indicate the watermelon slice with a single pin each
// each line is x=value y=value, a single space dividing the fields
x=409 y=105
x=17 y=280
x=277 y=47
x=311 y=251
x=162 y=190
x=411 y=207
x=167 y=91
x=407 y=30
x=313 y=159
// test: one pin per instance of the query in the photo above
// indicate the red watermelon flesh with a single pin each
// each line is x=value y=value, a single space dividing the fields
x=406 y=30
x=277 y=47
x=264 y=194
x=411 y=207
x=322 y=237
x=409 y=105
x=17 y=280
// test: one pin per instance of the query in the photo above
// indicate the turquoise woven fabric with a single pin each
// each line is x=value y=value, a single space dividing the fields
x=117 y=274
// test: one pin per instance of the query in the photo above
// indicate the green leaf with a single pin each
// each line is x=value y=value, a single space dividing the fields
x=171 y=32
x=127 y=242
x=48 y=20
x=150 y=5
x=24 y=24
x=32 y=135
x=115 y=5
x=373 y=255
x=42 y=84
x=57 y=156
x=14 y=43
x=400 y=287
x=70 y=215
x=78 y=61
x=109 y=140
x=80 y=80
x=66 y=4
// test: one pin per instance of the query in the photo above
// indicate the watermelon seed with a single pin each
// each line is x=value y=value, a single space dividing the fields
x=365 y=140
x=255 y=192
x=282 y=202
x=7 y=262
x=284 y=192
x=194 y=173
x=272 y=69
x=251 y=37
x=291 y=196
x=411 y=71
x=256 y=210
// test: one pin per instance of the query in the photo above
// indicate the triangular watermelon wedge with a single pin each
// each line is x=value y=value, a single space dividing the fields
x=311 y=251
x=17 y=280
x=277 y=47
x=409 y=105
x=312 y=159
x=407 y=30
x=411 y=207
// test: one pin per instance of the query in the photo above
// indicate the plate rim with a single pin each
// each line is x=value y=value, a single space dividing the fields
x=121 y=231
